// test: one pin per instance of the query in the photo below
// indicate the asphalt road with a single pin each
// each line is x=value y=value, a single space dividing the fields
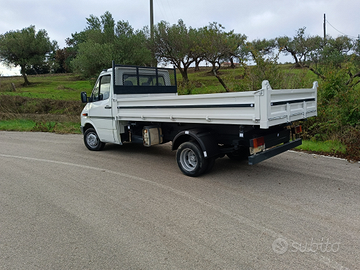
x=129 y=207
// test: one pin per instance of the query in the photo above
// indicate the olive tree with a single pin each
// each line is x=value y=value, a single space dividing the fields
x=301 y=47
x=25 y=48
x=175 y=44
x=104 y=40
x=217 y=45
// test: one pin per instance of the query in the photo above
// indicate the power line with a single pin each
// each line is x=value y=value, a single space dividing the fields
x=167 y=10
x=171 y=10
x=340 y=31
x=162 y=10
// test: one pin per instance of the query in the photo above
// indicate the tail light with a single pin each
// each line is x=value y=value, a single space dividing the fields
x=298 y=129
x=295 y=132
x=257 y=145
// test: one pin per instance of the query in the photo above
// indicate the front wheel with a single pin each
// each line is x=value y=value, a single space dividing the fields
x=92 y=141
x=190 y=159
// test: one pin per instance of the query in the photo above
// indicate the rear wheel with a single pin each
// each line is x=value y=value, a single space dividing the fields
x=92 y=141
x=191 y=160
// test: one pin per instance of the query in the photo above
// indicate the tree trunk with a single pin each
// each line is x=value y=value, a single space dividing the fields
x=220 y=80
x=297 y=63
x=197 y=63
x=23 y=73
x=13 y=87
x=232 y=62
x=183 y=72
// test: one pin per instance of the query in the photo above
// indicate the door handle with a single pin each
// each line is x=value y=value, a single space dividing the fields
x=107 y=107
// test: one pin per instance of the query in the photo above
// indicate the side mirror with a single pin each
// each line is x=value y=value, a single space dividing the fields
x=84 y=98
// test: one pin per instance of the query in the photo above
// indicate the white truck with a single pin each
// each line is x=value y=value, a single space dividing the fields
x=132 y=104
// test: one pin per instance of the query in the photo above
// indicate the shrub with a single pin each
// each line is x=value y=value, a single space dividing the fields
x=352 y=142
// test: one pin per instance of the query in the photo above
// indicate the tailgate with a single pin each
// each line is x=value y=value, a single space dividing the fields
x=275 y=107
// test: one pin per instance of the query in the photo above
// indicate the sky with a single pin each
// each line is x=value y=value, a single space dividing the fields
x=257 y=19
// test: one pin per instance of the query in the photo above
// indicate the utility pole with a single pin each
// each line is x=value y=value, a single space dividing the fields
x=151 y=19
x=324 y=27
x=154 y=62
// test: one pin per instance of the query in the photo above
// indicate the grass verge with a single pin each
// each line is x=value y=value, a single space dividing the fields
x=40 y=126
x=333 y=148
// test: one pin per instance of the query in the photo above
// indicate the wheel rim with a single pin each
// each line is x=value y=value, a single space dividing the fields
x=92 y=140
x=188 y=160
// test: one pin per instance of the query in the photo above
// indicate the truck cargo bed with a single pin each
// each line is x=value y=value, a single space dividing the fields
x=264 y=108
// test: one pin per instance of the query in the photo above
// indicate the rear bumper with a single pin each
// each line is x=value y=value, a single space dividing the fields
x=273 y=152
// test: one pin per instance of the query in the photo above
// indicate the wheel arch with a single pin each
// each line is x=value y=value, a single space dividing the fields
x=204 y=138
x=87 y=126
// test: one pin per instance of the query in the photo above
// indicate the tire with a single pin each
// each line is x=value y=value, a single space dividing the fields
x=92 y=141
x=190 y=159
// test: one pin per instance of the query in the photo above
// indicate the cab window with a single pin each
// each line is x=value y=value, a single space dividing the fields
x=101 y=90
x=144 y=80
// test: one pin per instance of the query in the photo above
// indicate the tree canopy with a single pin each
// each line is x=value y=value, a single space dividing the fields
x=26 y=48
x=104 y=40
x=175 y=44
x=218 y=45
x=183 y=46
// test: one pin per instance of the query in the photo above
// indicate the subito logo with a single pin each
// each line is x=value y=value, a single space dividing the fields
x=280 y=246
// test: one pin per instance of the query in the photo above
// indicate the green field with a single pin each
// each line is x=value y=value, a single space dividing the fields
x=50 y=104
x=56 y=87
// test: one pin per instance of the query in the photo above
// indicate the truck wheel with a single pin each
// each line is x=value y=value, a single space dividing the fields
x=92 y=141
x=190 y=159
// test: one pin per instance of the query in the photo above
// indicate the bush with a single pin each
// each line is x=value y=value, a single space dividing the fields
x=352 y=142
x=338 y=111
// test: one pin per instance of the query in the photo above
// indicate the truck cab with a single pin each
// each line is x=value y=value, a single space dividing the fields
x=122 y=82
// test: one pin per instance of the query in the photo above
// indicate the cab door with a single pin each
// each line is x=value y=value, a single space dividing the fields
x=100 y=111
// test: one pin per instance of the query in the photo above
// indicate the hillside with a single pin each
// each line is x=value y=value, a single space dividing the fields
x=50 y=101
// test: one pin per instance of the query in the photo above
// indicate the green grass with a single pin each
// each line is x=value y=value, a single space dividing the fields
x=57 y=87
x=327 y=147
x=31 y=125
x=17 y=125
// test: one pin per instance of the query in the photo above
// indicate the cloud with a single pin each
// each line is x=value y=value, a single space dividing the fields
x=6 y=71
